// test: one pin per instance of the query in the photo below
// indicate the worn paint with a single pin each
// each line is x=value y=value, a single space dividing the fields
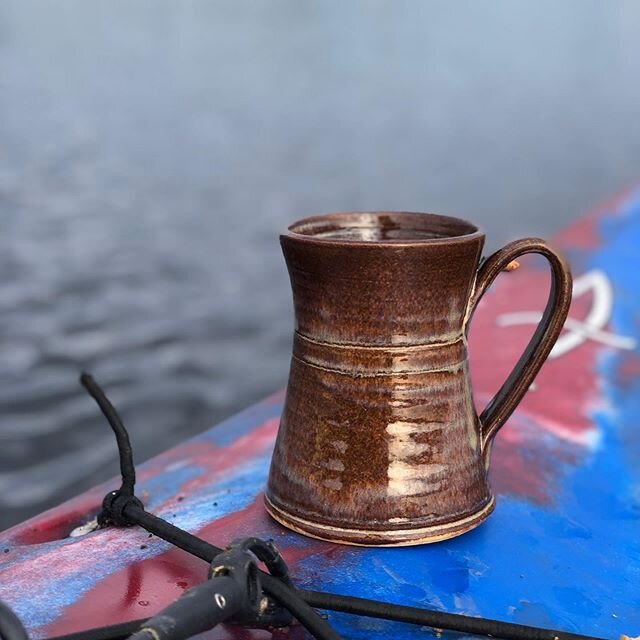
x=561 y=549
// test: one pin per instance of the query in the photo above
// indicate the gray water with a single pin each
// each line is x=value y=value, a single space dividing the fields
x=151 y=151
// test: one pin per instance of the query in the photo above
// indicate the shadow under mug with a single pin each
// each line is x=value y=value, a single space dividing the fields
x=379 y=442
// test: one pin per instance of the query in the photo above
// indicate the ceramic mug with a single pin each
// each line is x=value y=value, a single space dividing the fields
x=379 y=442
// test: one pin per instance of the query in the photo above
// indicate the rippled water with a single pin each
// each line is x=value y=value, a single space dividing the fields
x=150 y=152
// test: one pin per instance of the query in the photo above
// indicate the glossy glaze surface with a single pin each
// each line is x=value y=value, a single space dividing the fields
x=379 y=441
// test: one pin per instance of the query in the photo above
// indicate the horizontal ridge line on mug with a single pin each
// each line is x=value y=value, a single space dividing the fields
x=458 y=337
x=455 y=520
x=359 y=373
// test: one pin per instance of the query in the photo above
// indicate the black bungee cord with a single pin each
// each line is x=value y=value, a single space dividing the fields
x=279 y=597
x=125 y=452
x=121 y=507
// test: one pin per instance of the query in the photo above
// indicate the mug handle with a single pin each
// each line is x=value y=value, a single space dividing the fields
x=516 y=385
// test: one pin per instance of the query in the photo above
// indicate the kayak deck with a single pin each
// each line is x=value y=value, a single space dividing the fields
x=561 y=550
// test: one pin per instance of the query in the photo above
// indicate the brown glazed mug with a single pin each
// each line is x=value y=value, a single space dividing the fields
x=379 y=442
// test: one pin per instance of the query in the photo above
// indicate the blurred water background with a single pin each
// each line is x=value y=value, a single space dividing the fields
x=151 y=151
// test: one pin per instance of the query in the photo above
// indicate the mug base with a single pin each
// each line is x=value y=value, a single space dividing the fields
x=380 y=538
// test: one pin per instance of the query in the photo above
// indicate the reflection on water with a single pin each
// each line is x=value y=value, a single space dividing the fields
x=151 y=152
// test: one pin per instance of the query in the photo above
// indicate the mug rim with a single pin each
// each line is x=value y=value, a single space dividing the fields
x=468 y=230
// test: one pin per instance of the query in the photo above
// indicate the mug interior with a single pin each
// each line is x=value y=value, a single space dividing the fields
x=382 y=226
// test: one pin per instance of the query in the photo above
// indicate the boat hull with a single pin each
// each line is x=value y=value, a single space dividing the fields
x=561 y=549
